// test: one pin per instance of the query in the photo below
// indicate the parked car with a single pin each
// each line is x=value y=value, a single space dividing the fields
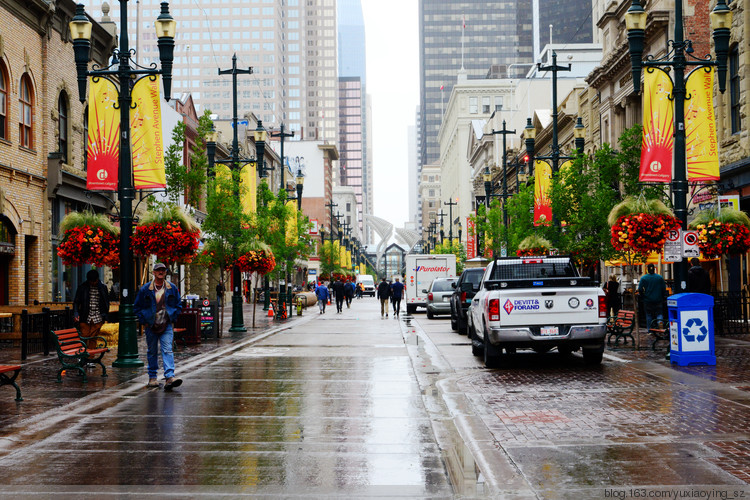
x=439 y=296
x=463 y=291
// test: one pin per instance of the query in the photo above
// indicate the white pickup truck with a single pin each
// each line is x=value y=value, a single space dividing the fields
x=537 y=303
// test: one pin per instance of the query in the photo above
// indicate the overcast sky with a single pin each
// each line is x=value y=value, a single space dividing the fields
x=391 y=29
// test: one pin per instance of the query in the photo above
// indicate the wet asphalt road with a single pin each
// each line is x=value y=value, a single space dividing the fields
x=329 y=407
x=352 y=405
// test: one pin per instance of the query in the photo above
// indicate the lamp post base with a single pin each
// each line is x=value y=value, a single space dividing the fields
x=127 y=345
x=238 y=323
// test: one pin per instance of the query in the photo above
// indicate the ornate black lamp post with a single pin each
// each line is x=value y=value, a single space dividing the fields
x=579 y=132
x=450 y=205
x=300 y=184
x=123 y=75
x=721 y=22
x=238 y=322
x=529 y=135
x=283 y=135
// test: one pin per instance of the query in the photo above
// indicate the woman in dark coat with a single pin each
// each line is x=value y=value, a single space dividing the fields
x=612 y=292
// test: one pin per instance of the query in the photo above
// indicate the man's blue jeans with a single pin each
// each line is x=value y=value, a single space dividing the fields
x=653 y=312
x=167 y=356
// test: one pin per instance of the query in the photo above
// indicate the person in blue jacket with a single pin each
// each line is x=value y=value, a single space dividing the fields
x=157 y=305
x=397 y=292
x=321 y=292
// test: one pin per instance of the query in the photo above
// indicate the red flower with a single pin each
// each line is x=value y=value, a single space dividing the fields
x=642 y=233
x=170 y=242
x=89 y=245
x=717 y=238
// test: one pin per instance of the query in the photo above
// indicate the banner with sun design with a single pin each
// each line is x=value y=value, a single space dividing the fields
x=103 y=142
x=147 y=147
x=542 y=187
x=702 y=149
x=248 y=189
x=658 y=127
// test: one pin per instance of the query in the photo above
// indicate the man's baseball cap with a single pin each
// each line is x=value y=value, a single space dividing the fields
x=159 y=265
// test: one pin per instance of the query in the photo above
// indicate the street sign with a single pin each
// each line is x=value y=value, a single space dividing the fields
x=673 y=246
x=690 y=244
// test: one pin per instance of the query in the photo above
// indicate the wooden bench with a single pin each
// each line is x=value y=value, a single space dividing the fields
x=659 y=332
x=73 y=353
x=621 y=327
x=5 y=379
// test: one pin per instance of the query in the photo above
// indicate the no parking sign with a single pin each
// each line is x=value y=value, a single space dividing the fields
x=690 y=244
x=673 y=246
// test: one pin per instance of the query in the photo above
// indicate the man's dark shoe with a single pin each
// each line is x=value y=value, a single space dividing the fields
x=171 y=383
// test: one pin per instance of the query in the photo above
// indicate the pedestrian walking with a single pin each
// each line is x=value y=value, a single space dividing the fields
x=157 y=305
x=384 y=293
x=360 y=290
x=653 y=289
x=698 y=280
x=220 y=293
x=91 y=306
x=348 y=293
x=321 y=292
x=397 y=290
x=612 y=292
x=338 y=293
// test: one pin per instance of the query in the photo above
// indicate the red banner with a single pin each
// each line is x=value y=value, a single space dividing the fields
x=103 y=142
x=658 y=127
x=471 y=239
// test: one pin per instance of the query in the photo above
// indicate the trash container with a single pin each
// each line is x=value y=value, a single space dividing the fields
x=691 y=329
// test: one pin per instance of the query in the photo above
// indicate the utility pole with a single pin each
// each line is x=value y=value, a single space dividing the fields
x=282 y=134
x=238 y=323
x=450 y=205
x=505 y=132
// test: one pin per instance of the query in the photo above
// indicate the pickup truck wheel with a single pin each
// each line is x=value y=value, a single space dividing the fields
x=411 y=309
x=454 y=321
x=593 y=356
x=461 y=326
x=491 y=353
x=477 y=347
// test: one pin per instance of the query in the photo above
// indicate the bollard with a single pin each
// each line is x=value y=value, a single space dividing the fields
x=46 y=329
x=24 y=333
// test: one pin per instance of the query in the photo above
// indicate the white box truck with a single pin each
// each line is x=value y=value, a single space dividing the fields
x=421 y=269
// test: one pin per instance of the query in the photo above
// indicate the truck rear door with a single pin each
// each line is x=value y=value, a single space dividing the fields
x=549 y=307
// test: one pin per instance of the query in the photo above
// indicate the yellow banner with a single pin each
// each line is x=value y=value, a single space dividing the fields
x=103 y=146
x=658 y=127
x=223 y=179
x=348 y=260
x=248 y=189
x=145 y=135
x=542 y=187
x=700 y=127
x=291 y=223
x=336 y=253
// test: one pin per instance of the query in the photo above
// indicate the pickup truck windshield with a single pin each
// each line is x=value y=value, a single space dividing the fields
x=524 y=269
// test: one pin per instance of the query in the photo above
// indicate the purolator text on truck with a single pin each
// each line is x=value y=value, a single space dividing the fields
x=433 y=269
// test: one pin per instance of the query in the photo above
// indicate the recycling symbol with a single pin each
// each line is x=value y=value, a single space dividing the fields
x=695 y=330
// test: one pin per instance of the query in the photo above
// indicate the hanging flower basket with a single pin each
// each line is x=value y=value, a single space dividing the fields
x=168 y=234
x=257 y=261
x=725 y=232
x=533 y=246
x=89 y=238
x=640 y=225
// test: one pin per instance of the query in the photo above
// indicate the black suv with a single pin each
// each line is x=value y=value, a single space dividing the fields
x=464 y=290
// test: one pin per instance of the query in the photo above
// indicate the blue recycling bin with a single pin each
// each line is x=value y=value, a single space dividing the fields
x=691 y=329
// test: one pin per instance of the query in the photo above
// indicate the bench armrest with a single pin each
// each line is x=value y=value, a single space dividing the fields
x=96 y=337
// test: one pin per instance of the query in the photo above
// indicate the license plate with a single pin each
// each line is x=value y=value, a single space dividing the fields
x=546 y=331
x=446 y=299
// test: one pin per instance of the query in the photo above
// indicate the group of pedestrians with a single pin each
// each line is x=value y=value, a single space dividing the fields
x=342 y=291
x=393 y=292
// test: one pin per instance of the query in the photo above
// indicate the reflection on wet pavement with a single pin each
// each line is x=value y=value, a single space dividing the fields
x=297 y=413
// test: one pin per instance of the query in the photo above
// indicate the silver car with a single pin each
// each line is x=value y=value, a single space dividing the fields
x=439 y=296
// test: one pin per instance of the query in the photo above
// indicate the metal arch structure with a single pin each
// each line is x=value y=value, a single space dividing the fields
x=384 y=229
x=407 y=237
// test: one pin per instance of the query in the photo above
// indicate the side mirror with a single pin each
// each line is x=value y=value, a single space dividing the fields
x=467 y=287
x=453 y=285
x=424 y=290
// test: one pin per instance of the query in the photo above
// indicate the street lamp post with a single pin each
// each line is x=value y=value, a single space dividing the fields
x=260 y=136
x=80 y=29
x=579 y=132
x=282 y=135
x=300 y=184
x=721 y=22
x=442 y=215
x=238 y=323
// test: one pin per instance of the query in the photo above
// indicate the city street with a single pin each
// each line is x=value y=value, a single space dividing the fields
x=352 y=405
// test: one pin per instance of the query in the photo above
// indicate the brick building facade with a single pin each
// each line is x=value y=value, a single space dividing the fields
x=42 y=146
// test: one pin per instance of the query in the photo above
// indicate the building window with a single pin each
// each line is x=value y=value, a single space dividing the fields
x=486 y=105
x=25 y=125
x=734 y=88
x=498 y=103
x=3 y=102
x=473 y=105
x=62 y=126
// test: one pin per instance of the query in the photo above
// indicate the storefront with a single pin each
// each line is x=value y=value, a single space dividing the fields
x=7 y=252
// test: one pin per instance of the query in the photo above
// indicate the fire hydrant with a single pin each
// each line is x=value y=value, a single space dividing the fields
x=299 y=306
